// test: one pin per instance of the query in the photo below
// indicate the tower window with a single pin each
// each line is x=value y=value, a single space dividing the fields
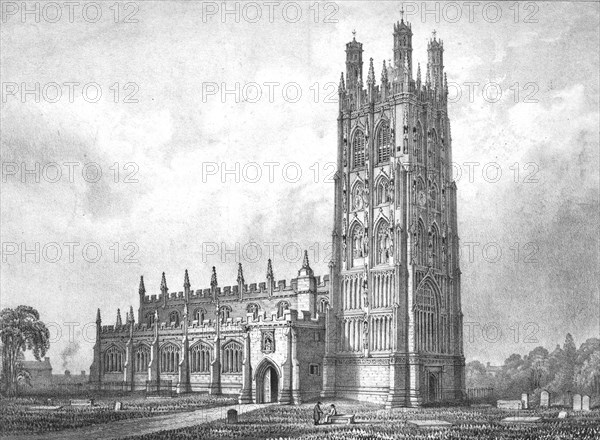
x=358 y=149
x=383 y=143
x=314 y=369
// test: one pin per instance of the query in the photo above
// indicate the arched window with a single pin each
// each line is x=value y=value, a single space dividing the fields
x=232 y=357
x=358 y=149
x=200 y=358
x=435 y=246
x=357 y=201
x=418 y=140
x=323 y=305
x=253 y=308
x=357 y=245
x=382 y=191
x=149 y=318
x=141 y=359
x=174 y=318
x=384 y=243
x=113 y=360
x=169 y=359
x=224 y=313
x=433 y=148
x=422 y=244
x=433 y=197
x=383 y=142
x=427 y=334
x=282 y=306
x=199 y=315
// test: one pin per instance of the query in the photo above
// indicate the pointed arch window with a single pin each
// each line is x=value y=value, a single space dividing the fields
x=358 y=196
x=433 y=197
x=358 y=149
x=427 y=319
x=149 y=318
x=253 y=308
x=435 y=245
x=282 y=306
x=421 y=244
x=384 y=243
x=200 y=358
x=113 y=360
x=382 y=191
x=383 y=142
x=141 y=359
x=224 y=314
x=232 y=357
x=199 y=315
x=174 y=318
x=169 y=359
x=357 y=245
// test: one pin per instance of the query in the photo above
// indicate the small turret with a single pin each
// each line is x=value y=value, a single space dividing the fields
x=342 y=85
x=419 y=76
x=98 y=318
x=435 y=62
x=131 y=318
x=307 y=287
x=119 y=322
x=354 y=63
x=403 y=45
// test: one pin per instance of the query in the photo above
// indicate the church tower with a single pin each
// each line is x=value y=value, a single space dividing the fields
x=394 y=326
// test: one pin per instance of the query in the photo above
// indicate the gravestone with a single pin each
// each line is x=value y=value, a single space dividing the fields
x=577 y=402
x=585 y=403
x=524 y=401
x=232 y=416
x=118 y=406
x=562 y=415
x=544 y=399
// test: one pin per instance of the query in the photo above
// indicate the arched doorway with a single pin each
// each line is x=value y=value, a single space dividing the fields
x=267 y=384
x=432 y=387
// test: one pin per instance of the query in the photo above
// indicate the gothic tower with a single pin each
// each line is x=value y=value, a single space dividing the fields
x=395 y=322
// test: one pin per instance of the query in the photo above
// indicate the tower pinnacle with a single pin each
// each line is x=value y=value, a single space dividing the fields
x=163 y=284
x=240 y=275
x=213 y=278
x=186 y=280
x=142 y=288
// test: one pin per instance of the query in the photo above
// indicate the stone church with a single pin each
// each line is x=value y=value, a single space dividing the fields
x=384 y=325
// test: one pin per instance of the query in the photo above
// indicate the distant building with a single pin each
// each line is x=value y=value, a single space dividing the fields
x=40 y=371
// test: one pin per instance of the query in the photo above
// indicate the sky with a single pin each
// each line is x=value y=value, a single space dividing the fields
x=166 y=136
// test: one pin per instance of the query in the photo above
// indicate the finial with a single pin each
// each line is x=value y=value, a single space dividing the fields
x=98 y=318
x=119 y=321
x=270 y=270
x=163 y=283
x=402 y=13
x=354 y=35
x=240 y=276
x=142 y=286
x=419 y=72
x=213 y=278
x=384 y=73
x=186 y=280
x=371 y=75
x=342 y=85
x=434 y=33
x=131 y=318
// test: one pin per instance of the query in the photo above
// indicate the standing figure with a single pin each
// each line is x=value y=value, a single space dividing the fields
x=317 y=413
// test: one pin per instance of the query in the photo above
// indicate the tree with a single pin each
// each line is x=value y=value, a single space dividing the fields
x=20 y=330
x=563 y=380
